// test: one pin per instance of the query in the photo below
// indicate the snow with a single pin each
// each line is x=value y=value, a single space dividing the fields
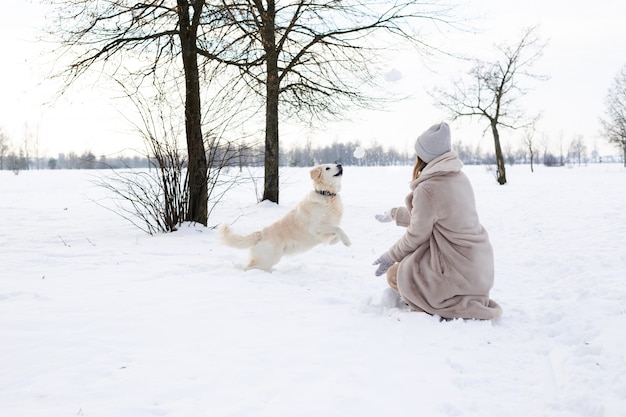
x=359 y=152
x=100 y=319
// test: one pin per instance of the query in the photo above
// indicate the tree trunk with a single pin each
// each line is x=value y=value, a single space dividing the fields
x=501 y=170
x=197 y=169
x=270 y=191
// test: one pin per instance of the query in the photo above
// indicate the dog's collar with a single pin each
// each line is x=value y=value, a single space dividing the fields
x=326 y=193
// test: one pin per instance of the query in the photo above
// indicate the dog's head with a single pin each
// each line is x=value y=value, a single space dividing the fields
x=327 y=177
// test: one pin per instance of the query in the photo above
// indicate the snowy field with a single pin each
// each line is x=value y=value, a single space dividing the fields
x=98 y=319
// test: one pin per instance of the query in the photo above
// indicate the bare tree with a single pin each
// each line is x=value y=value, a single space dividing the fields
x=494 y=89
x=157 y=200
x=4 y=148
x=308 y=59
x=17 y=161
x=143 y=40
x=577 y=150
x=531 y=147
x=25 y=149
x=614 y=125
x=32 y=142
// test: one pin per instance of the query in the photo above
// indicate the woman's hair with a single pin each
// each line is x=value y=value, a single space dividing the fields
x=418 y=167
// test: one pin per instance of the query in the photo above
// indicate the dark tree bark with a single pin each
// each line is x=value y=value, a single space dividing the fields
x=198 y=191
x=271 y=190
x=500 y=167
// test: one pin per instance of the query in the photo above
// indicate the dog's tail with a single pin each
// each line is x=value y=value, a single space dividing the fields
x=235 y=240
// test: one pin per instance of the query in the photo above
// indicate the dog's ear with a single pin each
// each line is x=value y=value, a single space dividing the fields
x=316 y=172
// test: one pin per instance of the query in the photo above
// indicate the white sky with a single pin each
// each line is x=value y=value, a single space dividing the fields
x=587 y=45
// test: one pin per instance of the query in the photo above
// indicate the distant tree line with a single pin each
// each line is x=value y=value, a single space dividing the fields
x=21 y=161
x=350 y=154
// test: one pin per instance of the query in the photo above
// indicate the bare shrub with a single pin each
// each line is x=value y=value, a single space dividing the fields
x=158 y=199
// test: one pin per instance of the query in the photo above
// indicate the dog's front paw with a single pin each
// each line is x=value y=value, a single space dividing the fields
x=346 y=240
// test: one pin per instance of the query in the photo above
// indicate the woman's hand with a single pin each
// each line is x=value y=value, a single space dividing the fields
x=384 y=262
x=387 y=216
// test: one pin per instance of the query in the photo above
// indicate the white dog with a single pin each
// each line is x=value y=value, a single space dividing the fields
x=313 y=221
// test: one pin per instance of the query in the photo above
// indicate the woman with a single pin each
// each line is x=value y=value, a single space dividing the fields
x=443 y=264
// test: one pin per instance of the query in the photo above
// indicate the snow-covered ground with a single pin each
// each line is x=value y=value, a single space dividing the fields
x=98 y=319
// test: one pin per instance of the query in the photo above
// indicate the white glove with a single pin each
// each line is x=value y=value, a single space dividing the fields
x=384 y=262
x=386 y=217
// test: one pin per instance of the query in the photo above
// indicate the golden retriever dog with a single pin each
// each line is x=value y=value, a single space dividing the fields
x=313 y=221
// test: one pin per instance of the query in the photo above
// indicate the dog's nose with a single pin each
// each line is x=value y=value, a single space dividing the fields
x=339 y=170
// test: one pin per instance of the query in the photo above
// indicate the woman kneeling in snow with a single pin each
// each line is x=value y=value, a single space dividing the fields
x=443 y=264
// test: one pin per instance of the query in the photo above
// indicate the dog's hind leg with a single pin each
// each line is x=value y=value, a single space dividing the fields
x=263 y=256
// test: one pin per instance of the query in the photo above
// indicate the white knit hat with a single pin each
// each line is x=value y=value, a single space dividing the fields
x=434 y=142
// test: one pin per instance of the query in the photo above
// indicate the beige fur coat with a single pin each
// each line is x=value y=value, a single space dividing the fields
x=446 y=259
